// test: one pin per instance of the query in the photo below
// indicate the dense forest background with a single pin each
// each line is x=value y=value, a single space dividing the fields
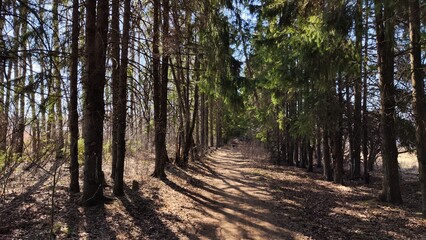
x=330 y=86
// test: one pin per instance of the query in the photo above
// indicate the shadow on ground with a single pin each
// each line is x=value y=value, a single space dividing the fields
x=301 y=203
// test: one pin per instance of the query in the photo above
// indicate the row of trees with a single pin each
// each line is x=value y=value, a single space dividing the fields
x=318 y=67
x=119 y=73
x=168 y=70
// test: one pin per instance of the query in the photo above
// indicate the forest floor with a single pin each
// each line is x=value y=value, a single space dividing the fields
x=233 y=193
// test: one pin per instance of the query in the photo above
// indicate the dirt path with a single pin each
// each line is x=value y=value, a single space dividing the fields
x=233 y=202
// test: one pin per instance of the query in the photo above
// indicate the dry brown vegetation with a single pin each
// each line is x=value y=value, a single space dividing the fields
x=227 y=195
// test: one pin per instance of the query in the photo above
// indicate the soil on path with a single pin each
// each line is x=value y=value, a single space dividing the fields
x=239 y=196
x=233 y=203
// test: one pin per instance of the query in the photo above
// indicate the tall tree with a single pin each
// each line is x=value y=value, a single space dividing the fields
x=59 y=138
x=94 y=109
x=21 y=82
x=160 y=87
x=419 y=100
x=364 y=97
x=385 y=23
x=338 y=133
x=115 y=76
x=122 y=104
x=3 y=110
x=73 y=106
x=355 y=154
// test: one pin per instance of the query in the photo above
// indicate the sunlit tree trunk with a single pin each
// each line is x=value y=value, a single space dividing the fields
x=57 y=83
x=43 y=69
x=35 y=124
x=202 y=123
x=21 y=85
x=218 y=123
x=160 y=88
x=211 y=121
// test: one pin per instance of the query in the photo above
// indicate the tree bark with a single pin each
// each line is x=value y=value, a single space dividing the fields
x=211 y=101
x=21 y=85
x=160 y=89
x=356 y=150
x=115 y=78
x=419 y=100
x=328 y=173
x=94 y=109
x=310 y=157
x=3 y=110
x=338 y=144
x=318 y=146
x=202 y=123
x=303 y=153
x=206 y=122
x=364 y=99
x=385 y=53
x=59 y=141
x=73 y=107
x=122 y=104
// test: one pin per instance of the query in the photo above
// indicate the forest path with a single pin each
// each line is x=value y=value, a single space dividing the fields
x=233 y=202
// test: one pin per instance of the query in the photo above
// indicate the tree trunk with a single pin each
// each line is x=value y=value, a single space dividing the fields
x=94 y=109
x=355 y=154
x=202 y=124
x=419 y=100
x=211 y=120
x=3 y=110
x=218 y=123
x=3 y=136
x=160 y=88
x=318 y=147
x=385 y=53
x=73 y=107
x=188 y=145
x=206 y=122
x=21 y=85
x=35 y=126
x=338 y=144
x=364 y=99
x=350 y=121
x=59 y=140
x=290 y=152
x=310 y=157
x=328 y=173
x=289 y=139
x=296 y=152
x=122 y=104
x=189 y=136
x=303 y=153
x=115 y=78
